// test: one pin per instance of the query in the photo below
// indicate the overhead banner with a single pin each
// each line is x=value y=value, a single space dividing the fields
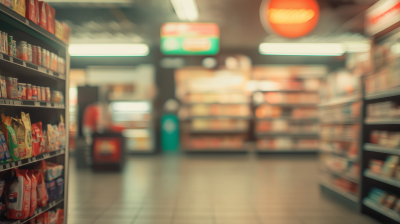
x=190 y=38
x=289 y=18
x=381 y=16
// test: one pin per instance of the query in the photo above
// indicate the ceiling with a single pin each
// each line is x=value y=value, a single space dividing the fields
x=239 y=20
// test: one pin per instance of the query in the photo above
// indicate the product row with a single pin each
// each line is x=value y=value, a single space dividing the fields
x=291 y=98
x=42 y=14
x=20 y=139
x=216 y=98
x=385 y=138
x=387 y=109
x=219 y=124
x=287 y=144
x=268 y=111
x=223 y=142
x=22 y=191
x=30 y=53
x=385 y=199
x=388 y=168
x=340 y=84
x=286 y=127
x=342 y=112
x=341 y=183
x=12 y=89
x=347 y=149
x=340 y=165
x=341 y=131
x=383 y=80
x=239 y=110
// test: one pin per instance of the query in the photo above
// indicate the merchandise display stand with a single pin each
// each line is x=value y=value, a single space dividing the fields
x=46 y=112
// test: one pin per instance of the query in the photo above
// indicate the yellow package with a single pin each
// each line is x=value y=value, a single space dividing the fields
x=19 y=130
x=19 y=7
x=26 y=121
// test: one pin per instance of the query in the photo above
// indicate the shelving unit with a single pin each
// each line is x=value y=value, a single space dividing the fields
x=48 y=113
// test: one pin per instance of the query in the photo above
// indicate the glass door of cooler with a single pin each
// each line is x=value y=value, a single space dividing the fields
x=136 y=120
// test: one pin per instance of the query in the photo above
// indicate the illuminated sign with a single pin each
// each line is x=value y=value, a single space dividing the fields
x=382 y=15
x=289 y=18
x=190 y=38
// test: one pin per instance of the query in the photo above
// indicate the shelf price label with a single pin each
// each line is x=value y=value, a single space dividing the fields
x=1 y=56
x=37 y=104
x=27 y=22
x=48 y=104
x=24 y=64
x=11 y=59
x=41 y=69
x=17 y=102
x=51 y=72
x=19 y=163
x=7 y=166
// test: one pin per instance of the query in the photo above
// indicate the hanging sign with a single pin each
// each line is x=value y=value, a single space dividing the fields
x=381 y=16
x=289 y=18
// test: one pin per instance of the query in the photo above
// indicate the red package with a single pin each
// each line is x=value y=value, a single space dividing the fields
x=31 y=10
x=38 y=142
x=42 y=196
x=51 y=17
x=43 y=218
x=31 y=175
x=18 y=200
x=42 y=14
x=60 y=216
x=52 y=217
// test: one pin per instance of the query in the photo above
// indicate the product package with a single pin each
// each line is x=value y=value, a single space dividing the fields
x=31 y=10
x=377 y=195
x=33 y=204
x=51 y=190
x=42 y=196
x=19 y=129
x=2 y=184
x=52 y=217
x=11 y=137
x=51 y=16
x=5 y=153
x=61 y=132
x=26 y=121
x=60 y=216
x=57 y=145
x=389 y=202
x=38 y=142
x=18 y=198
x=3 y=87
x=397 y=172
x=8 y=3
x=43 y=218
x=390 y=165
x=50 y=139
x=19 y=7
x=396 y=206
x=42 y=14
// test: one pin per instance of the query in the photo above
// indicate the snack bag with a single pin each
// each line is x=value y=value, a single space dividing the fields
x=57 y=144
x=19 y=7
x=18 y=197
x=26 y=121
x=51 y=190
x=60 y=216
x=19 y=129
x=11 y=138
x=43 y=218
x=38 y=142
x=50 y=142
x=61 y=132
x=59 y=187
x=2 y=184
x=42 y=196
x=50 y=170
x=3 y=143
x=52 y=217
x=31 y=174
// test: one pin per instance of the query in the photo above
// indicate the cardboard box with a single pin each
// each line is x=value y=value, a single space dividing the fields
x=31 y=10
x=51 y=14
x=42 y=14
x=19 y=7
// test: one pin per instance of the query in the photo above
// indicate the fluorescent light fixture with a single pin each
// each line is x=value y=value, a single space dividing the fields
x=353 y=47
x=108 y=50
x=316 y=49
x=130 y=106
x=186 y=9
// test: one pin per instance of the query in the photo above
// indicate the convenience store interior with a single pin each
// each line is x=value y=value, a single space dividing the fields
x=199 y=111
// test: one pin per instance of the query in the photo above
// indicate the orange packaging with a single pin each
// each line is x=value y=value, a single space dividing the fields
x=60 y=216
x=42 y=196
x=51 y=17
x=42 y=12
x=18 y=198
x=38 y=142
x=31 y=175
x=19 y=6
x=43 y=218
x=31 y=10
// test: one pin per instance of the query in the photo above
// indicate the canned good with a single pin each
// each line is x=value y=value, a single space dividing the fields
x=34 y=55
x=43 y=92
x=20 y=91
x=48 y=59
x=23 y=85
x=39 y=55
x=39 y=95
x=14 y=90
x=3 y=87
x=9 y=86
x=48 y=96
x=14 y=45
x=29 y=53
x=44 y=58
x=28 y=92
x=22 y=50
x=9 y=45
x=34 y=93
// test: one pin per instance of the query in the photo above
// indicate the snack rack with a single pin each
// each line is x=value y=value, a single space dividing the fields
x=48 y=113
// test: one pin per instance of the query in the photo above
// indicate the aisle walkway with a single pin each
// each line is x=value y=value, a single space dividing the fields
x=206 y=190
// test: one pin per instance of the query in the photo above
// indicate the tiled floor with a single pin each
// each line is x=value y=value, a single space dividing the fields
x=197 y=189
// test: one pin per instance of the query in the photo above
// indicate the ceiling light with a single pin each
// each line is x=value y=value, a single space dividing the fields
x=186 y=9
x=108 y=50
x=352 y=47
x=311 y=49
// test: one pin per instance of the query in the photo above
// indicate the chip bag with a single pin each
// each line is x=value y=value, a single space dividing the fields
x=60 y=216
x=18 y=197
x=31 y=175
x=26 y=121
x=52 y=217
x=57 y=145
x=50 y=141
x=42 y=196
x=61 y=131
x=6 y=152
x=38 y=142
x=43 y=218
x=11 y=137
x=19 y=129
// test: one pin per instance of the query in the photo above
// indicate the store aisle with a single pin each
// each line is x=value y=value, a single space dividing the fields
x=237 y=189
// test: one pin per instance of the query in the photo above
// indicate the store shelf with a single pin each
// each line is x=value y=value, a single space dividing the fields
x=38 y=211
x=288 y=104
x=23 y=162
x=277 y=151
x=342 y=100
x=384 y=211
x=10 y=16
x=343 y=175
x=227 y=131
x=382 y=121
x=289 y=119
x=287 y=134
x=355 y=159
x=342 y=192
x=338 y=139
x=30 y=103
x=383 y=94
x=381 y=178
x=219 y=117
x=382 y=149
x=216 y=150
x=341 y=121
